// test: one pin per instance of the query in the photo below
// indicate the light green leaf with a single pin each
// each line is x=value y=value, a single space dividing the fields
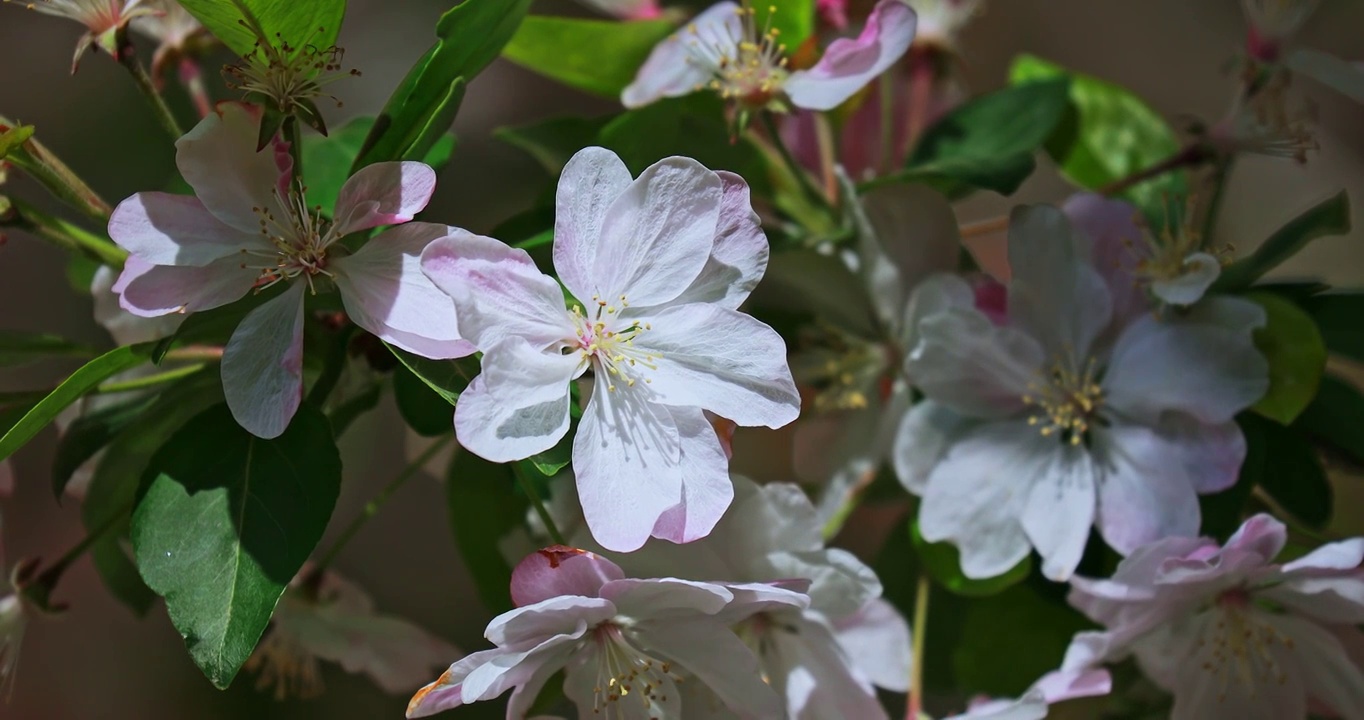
x=314 y=23
x=470 y=36
x=1296 y=354
x=447 y=377
x=72 y=389
x=327 y=160
x=1327 y=218
x=794 y=20
x=598 y=56
x=18 y=347
x=1112 y=134
x=13 y=138
x=552 y=142
x=484 y=507
x=943 y=563
x=225 y=522
x=551 y=461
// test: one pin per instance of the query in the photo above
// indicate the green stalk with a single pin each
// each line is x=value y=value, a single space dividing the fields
x=149 y=381
x=127 y=57
x=529 y=488
x=62 y=233
x=39 y=163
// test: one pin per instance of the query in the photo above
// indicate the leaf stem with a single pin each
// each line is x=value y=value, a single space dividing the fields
x=529 y=488
x=149 y=381
x=127 y=57
x=39 y=589
x=1188 y=156
x=824 y=135
x=35 y=159
x=62 y=233
x=920 y=630
x=985 y=227
x=887 y=97
x=373 y=506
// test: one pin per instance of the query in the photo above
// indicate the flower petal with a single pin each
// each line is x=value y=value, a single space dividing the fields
x=218 y=159
x=1054 y=292
x=673 y=68
x=972 y=366
x=1200 y=271
x=386 y=193
x=924 y=436
x=263 y=365
x=518 y=405
x=386 y=293
x=395 y=653
x=559 y=570
x=818 y=675
x=706 y=488
x=720 y=360
x=165 y=229
x=569 y=615
x=665 y=597
x=910 y=234
x=877 y=638
x=1116 y=247
x=591 y=181
x=739 y=258
x=1344 y=77
x=849 y=65
x=1059 y=510
x=716 y=657
x=149 y=290
x=1145 y=494
x=498 y=291
x=1327 y=670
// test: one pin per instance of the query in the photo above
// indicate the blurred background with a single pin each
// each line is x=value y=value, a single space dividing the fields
x=98 y=661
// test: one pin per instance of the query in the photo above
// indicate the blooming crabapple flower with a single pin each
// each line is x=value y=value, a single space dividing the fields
x=177 y=33
x=104 y=20
x=1230 y=632
x=726 y=50
x=906 y=233
x=1038 y=428
x=627 y=9
x=1052 y=688
x=626 y=645
x=329 y=618
x=248 y=229
x=658 y=266
x=941 y=21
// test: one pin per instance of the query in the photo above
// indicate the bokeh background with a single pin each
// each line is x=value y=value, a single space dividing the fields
x=98 y=661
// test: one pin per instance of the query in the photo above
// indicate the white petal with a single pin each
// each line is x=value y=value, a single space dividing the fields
x=263 y=365
x=1059 y=510
x=1340 y=75
x=165 y=229
x=518 y=406
x=386 y=193
x=1054 y=292
x=396 y=654
x=706 y=488
x=848 y=65
x=924 y=436
x=1327 y=670
x=739 y=258
x=569 y=615
x=877 y=638
x=720 y=360
x=912 y=235
x=1116 y=245
x=820 y=678
x=934 y=294
x=124 y=327
x=665 y=597
x=1145 y=494
x=386 y=293
x=673 y=68
x=1200 y=272
x=153 y=290
x=591 y=181
x=972 y=366
x=717 y=657
x=218 y=159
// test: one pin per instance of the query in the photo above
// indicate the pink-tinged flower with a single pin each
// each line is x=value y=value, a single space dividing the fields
x=658 y=267
x=13 y=621
x=103 y=19
x=1081 y=410
x=177 y=33
x=1228 y=631
x=627 y=646
x=833 y=12
x=627 y=9
x=725 y=49
x=249 y=229
x=330 y=619
x=1274 y=22
x=941 y=21
x=1052 y=688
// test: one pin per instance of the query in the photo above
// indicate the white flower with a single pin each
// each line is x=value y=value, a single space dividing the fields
x=658 y=266
x=1052 y=688
x=103 y=20
x=176 y=32
x=941 y=21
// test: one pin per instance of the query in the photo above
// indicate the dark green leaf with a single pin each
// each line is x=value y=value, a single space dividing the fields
x=1292 y=474
x=551 y=461
x=552 y=142
x=1340 y=318
x=225 y=521
x=313 y=23
x=90 y=433
x=484 y=506
x=1114 y=134
x=943 y=563
x=1296 y=355
x=213 y=327
x=1012 y=639
x=469 y=36
x=18 y=347
x=346 y=412
x=447 y=377
x=1224 y=512
x=271 y=121
x=1336 y=416
x=599 y=56
x=1329 y=217
x=72 y=389
x=426 y=411
x=327 y=160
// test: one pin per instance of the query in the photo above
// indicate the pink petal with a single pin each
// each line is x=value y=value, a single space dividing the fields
x=706 y=488
x=518 y=406
x=148 y=290
x=591 y=181
x=739 y=258
x=386 y=193
x=673 y=69
x=1144 y=495
x=1064 y=685
x=849 y=65
x=165 y=229
x=1117 y=246
x=560 y=570
x=1262 y=535
x=218 y=159
x=263 y=365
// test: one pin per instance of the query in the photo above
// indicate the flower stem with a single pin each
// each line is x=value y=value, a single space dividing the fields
x=920 y=94
x=920 y=630
x=291 y=136
x=149 y=381
x=63 y=234
x=985 y=227
x=39 y=163
x=792 y=166
x=529 y=488
x=887 y=97
x=1218 y=180
x=192 y=77
x=39 y=589
x=824 y=134
x=1189 y=156
x=127 y=57
x=373 y=506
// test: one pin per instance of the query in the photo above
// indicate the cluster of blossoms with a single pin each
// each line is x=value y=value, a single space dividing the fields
x=1065 y=384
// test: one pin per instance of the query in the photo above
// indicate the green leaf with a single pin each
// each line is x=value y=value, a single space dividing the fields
x=1112 y=134
x=1327 y=218
x=1338 y=318
x=1224 y=512
x=552 y=142
x=18 y=347
x=1291 y=473
x=72 y=389
x=426 y=411
x=1336 y=416
x=447 y=377
x=551 y=461
x=470 y=36
x=13 y=138
x=484 y=506
x=943 y=563
x=988 y=142
x=794 y=20
x=225 y=521
x=598 y=56
x=90 y=433
x=314 y=23
x=1012 y=639
x=1296 y=354
x=327 y=160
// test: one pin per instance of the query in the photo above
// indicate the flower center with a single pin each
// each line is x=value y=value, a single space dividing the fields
x=300 y=241
x=749 y=68
x=281 y=662
x=1238 y=646
x=845 y=369
x=1067 y=400
x=608 y=342
x=625 y=674
x=289 y=78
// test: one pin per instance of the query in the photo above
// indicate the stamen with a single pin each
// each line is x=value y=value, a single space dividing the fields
x=1067 y=400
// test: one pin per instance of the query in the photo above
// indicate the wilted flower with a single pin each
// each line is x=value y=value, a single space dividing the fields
x=726 y=49
x=287 y=80
x=657 y=266
x=177 y=33
x=941 y=21
x=249 y=229
x=103 y=19
x=1274 y=22
x=1052 y=688
x=327 y=618
x=1070 y=414
x=1230 y=632
x=625 y=645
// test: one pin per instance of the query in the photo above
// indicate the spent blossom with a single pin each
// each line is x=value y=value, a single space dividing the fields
x=727 y=49
x=941 y=21
x=657 y=267
x=248 y=229
x=104 y=20
x=177 y=33
x=1081 y=409
x=1230 y=631
x=626 y=645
